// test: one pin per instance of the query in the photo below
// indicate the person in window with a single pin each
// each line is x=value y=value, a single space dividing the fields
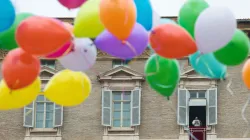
x=196 y=122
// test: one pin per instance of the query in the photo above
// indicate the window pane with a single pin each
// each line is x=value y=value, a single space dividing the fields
x=39 y=119
x=49 y=106
x=117 y=115
x=126 y=106
x=116 y=123
x=117 y=95
x=126 y=115
x=193 y=95
x=117 y=106
x=49 y=124
x=126 y=123
x=40 y=107
x=202 y=95
x=126 y=95
x=40 y=98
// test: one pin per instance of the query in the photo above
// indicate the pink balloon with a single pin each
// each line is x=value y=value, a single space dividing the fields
x=71 y=4
x=61 y=52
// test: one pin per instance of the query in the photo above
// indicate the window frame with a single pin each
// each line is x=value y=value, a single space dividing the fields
x=44 y=112
x=121 y=111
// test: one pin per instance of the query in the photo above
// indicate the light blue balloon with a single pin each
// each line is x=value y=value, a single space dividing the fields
x=7 y=14
x=144 y=13
x=207 y=65
x=167 y=21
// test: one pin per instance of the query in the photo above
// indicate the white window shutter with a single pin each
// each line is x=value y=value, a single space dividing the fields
x=212 y=106
x=136 y=107
x=28 y=115
x=106 y=107
x=58 y=115
x=182 y=116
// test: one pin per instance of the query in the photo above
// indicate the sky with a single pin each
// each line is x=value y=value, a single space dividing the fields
x=52 y=8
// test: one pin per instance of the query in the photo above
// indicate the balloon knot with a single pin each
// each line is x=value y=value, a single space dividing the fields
x=153 y=32
x=168 y=98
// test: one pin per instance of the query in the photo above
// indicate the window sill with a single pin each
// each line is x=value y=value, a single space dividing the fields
x=120 y=129
x=43 y=130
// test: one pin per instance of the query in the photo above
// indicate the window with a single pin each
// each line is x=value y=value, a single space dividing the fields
x=185 y=95
x=121 y=109
x=119 y=62
x=43 y=113
x=48 y=63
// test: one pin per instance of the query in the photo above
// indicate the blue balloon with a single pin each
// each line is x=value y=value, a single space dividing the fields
x=144 y=13
x=167 y=21
x=7 y=14
x=207 y=65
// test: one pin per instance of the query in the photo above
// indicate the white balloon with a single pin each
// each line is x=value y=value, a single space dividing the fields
x=214 y=28
x=82 y=58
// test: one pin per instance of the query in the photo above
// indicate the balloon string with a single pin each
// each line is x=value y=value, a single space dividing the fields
x=130 y=47
x=228 y=87
x=244 y=117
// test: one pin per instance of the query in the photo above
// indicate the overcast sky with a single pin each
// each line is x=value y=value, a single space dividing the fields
x=52 y=8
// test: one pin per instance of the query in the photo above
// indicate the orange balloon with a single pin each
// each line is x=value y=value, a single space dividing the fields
x=172 y=41
x=20 y=69
x=118 y=17
x=246 y=73
x=41 y=35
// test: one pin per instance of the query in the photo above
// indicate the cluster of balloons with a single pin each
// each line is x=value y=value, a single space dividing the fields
x=122 y=28
x=207 y=35
x=28 y=38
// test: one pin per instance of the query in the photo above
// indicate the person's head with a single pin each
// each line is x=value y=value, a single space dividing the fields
x=196 y=118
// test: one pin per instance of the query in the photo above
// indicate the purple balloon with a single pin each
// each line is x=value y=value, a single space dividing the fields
x=135 y=45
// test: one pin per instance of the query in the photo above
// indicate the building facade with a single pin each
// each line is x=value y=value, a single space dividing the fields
x=122 y=106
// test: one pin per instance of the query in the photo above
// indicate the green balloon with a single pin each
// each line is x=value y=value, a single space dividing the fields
x=162 y=74
x=189 y=13
x=7 y=38
x=236 y=51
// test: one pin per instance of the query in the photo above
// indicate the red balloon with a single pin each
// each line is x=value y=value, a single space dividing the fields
x=42 y=35
x=172 y=41
x=20 y=69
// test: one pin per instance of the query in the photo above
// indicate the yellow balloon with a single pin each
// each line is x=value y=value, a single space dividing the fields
x=68 y=88
x=13 y=99
x=87 y=22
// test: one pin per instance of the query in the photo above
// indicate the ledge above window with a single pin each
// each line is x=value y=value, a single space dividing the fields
x=121 y=129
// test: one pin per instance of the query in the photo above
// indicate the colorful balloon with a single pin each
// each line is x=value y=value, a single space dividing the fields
x=162 y=74
x=8 y=38
x=207 y=65
x=189 y=13
x=82 y=57
x=41 y=35
x=71 y=4
x=76 y=88
x=143 y=8
x=236 y=51
x=172 y=41
x=214 y=29
x=7 y=14
x=20 y=69
x=246 y=73
x=134 y=46
x=118 y=17
x=87 y=22
x=14 y=99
